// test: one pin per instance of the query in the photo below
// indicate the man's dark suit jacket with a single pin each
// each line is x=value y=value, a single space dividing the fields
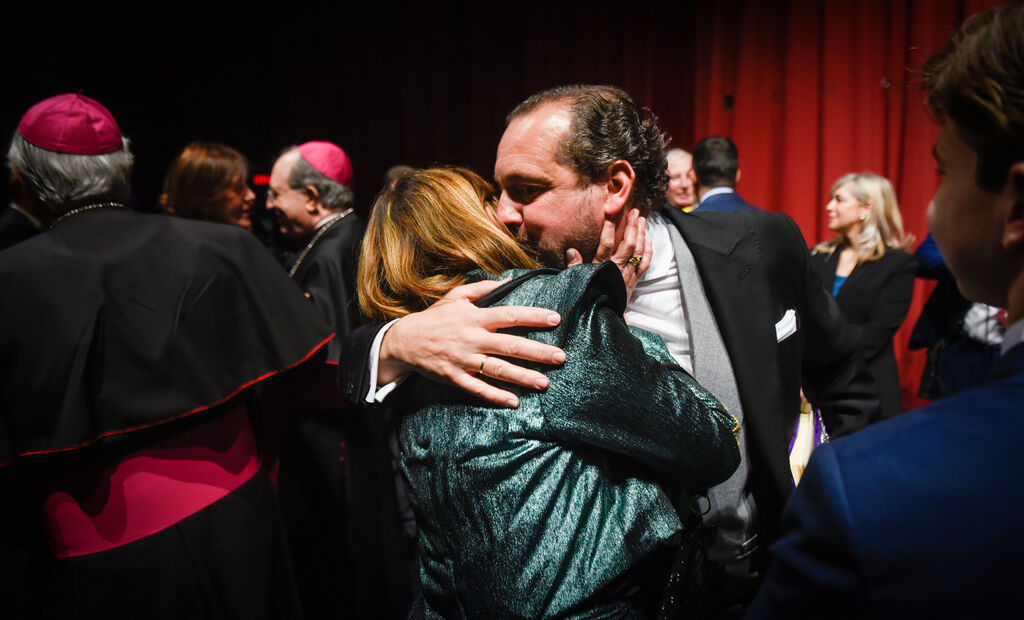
x=728 y=201
x=754 y=266
x=874 y=300
x=916 y=517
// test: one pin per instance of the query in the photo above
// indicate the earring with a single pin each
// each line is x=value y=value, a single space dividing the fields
x=863 y=217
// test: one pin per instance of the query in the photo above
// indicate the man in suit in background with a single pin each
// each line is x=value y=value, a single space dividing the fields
x=921 y=515
x=734 y=298
x=716 y=171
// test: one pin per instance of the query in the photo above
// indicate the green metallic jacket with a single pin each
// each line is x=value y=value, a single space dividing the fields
x=543 y=510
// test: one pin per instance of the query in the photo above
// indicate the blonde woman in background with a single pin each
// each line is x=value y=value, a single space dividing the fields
x=868 y=272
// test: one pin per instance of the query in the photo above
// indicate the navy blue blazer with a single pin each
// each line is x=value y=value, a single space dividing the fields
x=729 y=201
x=917 y=516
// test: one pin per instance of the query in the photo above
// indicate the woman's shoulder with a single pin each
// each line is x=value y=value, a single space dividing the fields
x=821 y=256
x=896 y=258
x=899 y=255
x=561 y=289
x=823 y=259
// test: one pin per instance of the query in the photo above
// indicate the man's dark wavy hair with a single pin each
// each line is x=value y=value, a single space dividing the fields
x=608 y=125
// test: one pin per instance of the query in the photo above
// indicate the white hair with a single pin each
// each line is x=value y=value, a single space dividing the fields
x=63 y=181
x=677 y=154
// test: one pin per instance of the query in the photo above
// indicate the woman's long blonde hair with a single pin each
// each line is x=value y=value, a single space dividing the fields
x=882 y=227
x=425 y=233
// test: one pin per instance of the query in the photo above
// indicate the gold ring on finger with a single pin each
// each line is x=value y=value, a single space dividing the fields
x=635 y=259
x=482 y=362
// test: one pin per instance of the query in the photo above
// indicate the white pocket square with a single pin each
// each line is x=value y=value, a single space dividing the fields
x=786 y=326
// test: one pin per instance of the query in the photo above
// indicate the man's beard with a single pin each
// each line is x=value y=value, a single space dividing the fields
x=584 y=238
x=545 y=257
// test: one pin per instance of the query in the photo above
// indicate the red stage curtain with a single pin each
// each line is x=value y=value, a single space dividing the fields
x=810 y=90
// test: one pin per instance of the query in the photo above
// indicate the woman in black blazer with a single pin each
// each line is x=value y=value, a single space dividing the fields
x=868 y=272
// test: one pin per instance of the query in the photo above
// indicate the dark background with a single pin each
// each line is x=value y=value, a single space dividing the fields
x=808 y=89
x=411 y=83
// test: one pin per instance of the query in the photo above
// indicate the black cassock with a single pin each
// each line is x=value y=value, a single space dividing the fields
x=337 y=480
x=118 y=331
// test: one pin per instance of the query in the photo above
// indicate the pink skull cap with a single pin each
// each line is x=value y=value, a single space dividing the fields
x=329 y=160
x=71 y=123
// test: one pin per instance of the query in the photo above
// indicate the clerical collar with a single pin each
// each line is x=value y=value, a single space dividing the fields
x=332 y=218
x=328 y=220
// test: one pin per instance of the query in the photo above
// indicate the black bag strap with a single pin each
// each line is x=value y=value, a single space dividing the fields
x=690 y=573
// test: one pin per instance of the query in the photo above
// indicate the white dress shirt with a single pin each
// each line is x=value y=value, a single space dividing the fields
x=981 y=323
x=379 y=394
x=714 y=191
x=657 y=301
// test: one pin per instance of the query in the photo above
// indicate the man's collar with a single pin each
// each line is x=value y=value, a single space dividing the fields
x=714 y=191
x=324 y=220
x=707 y=230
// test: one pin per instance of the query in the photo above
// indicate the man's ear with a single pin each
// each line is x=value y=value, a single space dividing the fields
x=312 y=199
x=739 y=173
x=1013 y=226
x=619 y=183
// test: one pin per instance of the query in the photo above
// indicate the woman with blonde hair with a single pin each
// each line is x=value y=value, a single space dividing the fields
x=869 y=272
x=565 y=505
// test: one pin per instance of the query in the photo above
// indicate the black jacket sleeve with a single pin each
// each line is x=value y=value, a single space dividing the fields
x=834 y=376
x=354 y=366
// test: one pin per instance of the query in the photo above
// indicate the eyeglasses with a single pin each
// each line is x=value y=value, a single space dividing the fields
x=272 y=194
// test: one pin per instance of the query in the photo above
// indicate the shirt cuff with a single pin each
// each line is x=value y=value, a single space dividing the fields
x=374 y=394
